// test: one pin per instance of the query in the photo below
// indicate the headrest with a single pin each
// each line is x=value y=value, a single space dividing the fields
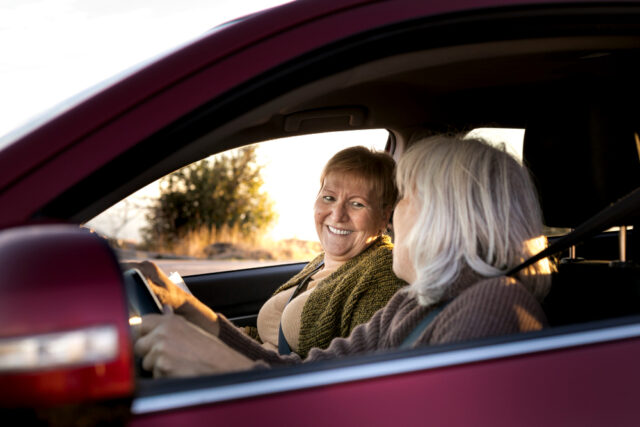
x=583 y=152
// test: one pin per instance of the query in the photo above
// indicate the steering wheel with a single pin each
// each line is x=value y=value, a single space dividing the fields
x=142 y=301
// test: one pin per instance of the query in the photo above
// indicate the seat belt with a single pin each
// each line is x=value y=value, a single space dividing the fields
x=606 y=218
x=283 y=345
x=413 y=336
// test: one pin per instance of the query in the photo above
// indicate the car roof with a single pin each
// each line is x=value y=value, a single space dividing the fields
x=131 y=86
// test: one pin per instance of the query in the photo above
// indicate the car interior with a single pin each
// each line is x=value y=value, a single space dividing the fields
x=569 y=78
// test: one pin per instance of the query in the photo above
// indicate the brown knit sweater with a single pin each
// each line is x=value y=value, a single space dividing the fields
x=479 y=308
x=347 y=297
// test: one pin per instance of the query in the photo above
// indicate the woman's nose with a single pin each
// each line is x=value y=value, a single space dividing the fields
x=339 y=213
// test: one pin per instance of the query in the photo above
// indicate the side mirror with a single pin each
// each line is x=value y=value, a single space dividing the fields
x=64 y=332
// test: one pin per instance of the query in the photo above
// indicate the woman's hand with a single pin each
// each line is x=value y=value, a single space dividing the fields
x=172 y=295
x=168 y=292
x=170 y=346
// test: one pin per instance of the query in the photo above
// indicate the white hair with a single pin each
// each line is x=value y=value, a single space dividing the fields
x=477 y=208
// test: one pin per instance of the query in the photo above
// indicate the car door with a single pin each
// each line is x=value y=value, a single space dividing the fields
x=239 y=294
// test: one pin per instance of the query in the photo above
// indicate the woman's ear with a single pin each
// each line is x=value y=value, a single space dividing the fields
x=390 y=226
x=388 y=216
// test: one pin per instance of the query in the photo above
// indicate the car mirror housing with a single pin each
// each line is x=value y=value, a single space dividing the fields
x=65 y=338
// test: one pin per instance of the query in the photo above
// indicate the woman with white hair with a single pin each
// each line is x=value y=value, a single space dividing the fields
x=468 y=213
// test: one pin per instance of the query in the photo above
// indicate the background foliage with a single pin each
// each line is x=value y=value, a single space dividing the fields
x=216 y=195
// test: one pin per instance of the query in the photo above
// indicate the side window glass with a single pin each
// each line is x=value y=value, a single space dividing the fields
x=511 y=138
x=243 y=208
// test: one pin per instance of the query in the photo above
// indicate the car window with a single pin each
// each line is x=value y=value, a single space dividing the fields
x=263 y=216
x=511 y=138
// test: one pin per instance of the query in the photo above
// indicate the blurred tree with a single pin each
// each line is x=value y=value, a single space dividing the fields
x=223 y=193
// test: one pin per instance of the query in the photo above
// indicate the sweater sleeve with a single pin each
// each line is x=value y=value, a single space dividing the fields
x=492 y=307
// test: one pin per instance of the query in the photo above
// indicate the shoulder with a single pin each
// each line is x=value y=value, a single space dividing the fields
x=490 y=307
x=311 y=265
x=374 y=269
x=400 y=302
x=377 y=259
x=496 y=292
x=382 y=245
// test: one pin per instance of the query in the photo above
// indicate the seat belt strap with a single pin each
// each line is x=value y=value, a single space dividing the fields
x=413 y=336
x=610 y=216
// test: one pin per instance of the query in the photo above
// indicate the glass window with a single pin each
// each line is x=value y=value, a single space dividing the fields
x=289 y=174
x=511 y=138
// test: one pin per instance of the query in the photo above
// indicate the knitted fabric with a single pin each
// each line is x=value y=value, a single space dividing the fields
x=480 y=308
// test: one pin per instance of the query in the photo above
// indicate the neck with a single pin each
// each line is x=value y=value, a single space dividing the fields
x=331 y=264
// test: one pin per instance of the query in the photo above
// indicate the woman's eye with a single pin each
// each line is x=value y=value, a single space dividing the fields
x=328 y=198
x=357 y=205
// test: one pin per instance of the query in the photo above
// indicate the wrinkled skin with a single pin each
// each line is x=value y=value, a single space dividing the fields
x=171 y=346
x=403 y=219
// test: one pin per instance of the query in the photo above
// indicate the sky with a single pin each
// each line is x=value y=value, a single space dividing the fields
x=51 y=50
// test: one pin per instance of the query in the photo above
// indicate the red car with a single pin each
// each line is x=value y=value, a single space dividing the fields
x=566 y=72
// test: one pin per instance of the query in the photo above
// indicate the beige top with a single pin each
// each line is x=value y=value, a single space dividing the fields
x=276 y=310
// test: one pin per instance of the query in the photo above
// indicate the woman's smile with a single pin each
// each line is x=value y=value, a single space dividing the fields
x=339 y=231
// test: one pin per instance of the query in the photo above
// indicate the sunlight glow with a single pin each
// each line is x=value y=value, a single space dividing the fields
x=135 y=320
x=534 y=246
